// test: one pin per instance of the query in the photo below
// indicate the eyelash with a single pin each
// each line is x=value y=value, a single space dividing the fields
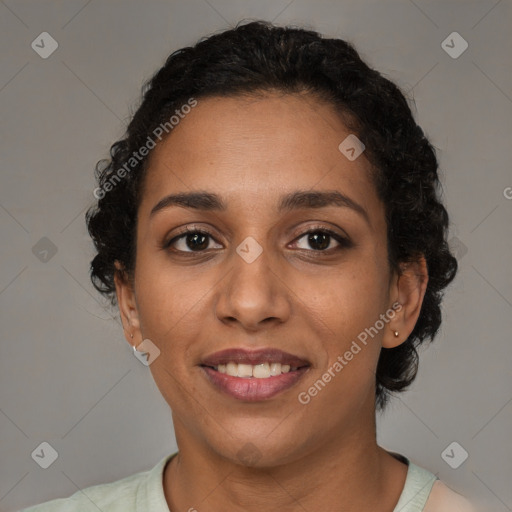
x=344 y=243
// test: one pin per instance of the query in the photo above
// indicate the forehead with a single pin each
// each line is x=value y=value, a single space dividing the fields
x=249 y=147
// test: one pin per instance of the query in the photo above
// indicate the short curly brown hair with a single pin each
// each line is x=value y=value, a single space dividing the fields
x=259 y=56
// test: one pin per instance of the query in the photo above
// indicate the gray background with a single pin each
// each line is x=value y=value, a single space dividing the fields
x=67 y=375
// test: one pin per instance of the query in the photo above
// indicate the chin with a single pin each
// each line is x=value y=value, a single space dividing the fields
x=255 y=451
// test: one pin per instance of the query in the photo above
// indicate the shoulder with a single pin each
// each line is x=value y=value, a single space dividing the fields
x=111 y=497
x=424 y=491
x=144 y=487
x=444 y=499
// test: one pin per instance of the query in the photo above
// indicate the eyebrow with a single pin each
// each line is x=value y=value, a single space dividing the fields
x=299 y=199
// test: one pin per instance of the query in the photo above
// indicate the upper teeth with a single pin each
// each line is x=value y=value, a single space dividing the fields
x=259 y=371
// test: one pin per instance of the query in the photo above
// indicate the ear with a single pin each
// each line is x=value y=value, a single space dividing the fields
x=127 y=305
x=407 y=291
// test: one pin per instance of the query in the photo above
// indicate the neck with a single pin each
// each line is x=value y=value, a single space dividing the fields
x=350 y=473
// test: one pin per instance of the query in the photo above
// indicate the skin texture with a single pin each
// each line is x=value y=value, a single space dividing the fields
x=293 y=297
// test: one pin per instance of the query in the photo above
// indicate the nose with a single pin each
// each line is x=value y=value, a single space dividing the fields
x=254 y=294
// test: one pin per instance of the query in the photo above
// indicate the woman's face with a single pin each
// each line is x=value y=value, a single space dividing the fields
x=257 y=281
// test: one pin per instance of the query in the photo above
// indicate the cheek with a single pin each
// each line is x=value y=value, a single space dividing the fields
x=345 y=307
x=170 y=305
x=347 y=298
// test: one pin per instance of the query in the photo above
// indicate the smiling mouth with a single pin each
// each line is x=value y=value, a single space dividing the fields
x=253 y=375
x=256 y=371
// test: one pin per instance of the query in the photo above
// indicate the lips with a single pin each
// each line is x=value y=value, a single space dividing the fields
x=287 y=371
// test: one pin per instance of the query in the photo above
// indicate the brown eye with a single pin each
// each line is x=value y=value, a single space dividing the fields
x=191 y=241
x=320 y=240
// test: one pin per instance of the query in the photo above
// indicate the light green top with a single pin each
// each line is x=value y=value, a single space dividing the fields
x=418 y=484
x=143 y=492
